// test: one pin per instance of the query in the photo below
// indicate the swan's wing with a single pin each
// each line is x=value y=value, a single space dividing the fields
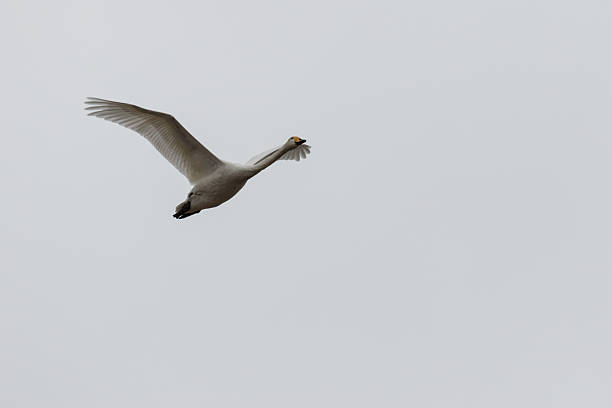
x=296 y=154
x=164 y=132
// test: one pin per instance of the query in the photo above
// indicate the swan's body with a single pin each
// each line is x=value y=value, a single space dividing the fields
x=214 y=181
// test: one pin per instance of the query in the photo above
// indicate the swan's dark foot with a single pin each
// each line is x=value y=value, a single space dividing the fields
x=181 y=216
x=182 y=210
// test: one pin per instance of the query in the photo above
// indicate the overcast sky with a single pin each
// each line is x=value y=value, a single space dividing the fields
x=447 y=243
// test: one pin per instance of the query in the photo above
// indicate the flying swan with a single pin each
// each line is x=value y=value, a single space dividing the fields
x=214 y=181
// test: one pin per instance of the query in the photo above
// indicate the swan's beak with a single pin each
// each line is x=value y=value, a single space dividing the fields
x=302 y=141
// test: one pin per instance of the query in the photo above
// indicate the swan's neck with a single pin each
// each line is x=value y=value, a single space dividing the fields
x=271 y=158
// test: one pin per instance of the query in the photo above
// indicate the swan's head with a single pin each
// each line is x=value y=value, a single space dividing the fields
x=296 y=141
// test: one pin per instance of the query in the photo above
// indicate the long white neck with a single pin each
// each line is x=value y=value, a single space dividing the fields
x=272 y=157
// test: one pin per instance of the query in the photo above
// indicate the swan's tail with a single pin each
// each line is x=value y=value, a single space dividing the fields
x=182 y=210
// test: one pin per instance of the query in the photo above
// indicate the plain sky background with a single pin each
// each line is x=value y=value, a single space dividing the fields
x=447 y=243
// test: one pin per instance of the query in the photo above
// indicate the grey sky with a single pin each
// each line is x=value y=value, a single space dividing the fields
x=446 y=244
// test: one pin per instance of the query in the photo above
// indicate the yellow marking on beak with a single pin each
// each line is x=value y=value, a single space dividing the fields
x=296 y=139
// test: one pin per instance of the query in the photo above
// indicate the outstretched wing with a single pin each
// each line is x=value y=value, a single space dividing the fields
x=164 y=132
x=296 y=154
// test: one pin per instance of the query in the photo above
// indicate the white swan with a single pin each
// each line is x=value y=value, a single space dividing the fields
x=214 y=181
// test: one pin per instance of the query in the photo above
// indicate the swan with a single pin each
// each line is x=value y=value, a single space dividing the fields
x=214 y=180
